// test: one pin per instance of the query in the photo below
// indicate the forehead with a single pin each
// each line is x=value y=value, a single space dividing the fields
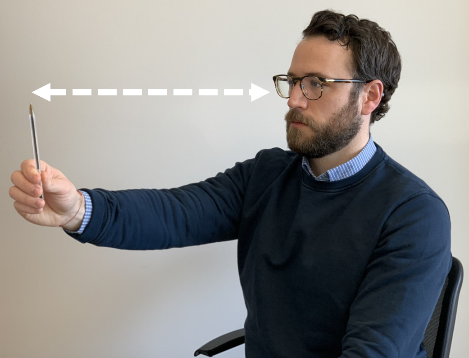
x=322 y=57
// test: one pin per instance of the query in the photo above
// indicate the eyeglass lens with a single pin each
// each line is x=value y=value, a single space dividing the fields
x=311 y=87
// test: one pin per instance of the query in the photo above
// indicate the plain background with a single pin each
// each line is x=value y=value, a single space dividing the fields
x=60 y=298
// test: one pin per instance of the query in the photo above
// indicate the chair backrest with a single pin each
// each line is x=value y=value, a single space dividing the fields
x=439 y=332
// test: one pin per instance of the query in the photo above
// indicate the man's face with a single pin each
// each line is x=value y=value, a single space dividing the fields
x=316 y=128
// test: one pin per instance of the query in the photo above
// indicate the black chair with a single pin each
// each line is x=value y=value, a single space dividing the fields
x=439 y=332
x=438 y=335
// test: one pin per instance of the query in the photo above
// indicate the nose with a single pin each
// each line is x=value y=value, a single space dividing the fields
x=297 y=99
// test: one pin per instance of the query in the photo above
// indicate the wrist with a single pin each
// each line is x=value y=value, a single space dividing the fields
x=75 y=222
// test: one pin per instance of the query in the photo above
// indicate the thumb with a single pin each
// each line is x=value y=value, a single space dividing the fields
x=54 y=182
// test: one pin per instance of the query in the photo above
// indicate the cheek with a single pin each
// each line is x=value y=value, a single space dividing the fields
x=320 y=112
x=338 y=102
x=325 y=107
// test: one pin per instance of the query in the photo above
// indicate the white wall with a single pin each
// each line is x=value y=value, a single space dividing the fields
x=60 y=298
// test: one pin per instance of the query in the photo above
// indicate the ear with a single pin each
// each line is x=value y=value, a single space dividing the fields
x=371 y=96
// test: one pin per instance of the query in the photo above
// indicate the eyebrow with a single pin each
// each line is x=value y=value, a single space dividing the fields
x=316 y=74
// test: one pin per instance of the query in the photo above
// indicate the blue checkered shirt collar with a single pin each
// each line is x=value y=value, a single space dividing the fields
x=347 y=169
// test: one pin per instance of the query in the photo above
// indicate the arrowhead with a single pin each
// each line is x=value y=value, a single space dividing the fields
x=257 y=92
x=43 y=92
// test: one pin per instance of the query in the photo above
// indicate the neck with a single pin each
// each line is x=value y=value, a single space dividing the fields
x=322 y=165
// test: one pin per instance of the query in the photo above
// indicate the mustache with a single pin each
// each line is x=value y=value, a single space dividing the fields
x=294 y=115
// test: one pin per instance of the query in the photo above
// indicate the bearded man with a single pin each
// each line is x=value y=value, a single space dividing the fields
x=342 y=252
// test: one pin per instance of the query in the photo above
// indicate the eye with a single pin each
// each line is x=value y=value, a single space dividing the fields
x=314 y=82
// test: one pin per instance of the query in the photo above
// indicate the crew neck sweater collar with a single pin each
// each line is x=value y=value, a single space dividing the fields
x=347 y=169
x=370 y=166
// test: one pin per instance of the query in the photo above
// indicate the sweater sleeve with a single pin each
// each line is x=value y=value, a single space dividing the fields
x=143 y=219
x=402 y=282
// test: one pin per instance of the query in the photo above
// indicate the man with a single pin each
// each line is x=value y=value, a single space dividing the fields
x=341 y=251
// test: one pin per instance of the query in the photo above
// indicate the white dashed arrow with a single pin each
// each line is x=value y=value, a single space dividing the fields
x=46 y=92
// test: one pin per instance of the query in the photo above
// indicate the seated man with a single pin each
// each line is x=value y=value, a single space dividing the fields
x=342 y=252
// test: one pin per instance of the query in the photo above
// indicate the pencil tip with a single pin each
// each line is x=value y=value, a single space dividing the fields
x=30 y=109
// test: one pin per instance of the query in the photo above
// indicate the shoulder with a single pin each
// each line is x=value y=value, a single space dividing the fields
x=265 y=167
x=413 y=203
x=404 y=199
x=272 y=162
x=268 y=166
x=269 y=160
x=401 y=180
x=277 y=154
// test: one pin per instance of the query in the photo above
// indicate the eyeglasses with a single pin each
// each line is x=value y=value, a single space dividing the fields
x=311 y=86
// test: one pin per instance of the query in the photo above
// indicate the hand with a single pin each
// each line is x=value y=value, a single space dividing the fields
x=62 y=201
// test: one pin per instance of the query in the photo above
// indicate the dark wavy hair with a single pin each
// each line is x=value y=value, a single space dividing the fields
x=374 y=53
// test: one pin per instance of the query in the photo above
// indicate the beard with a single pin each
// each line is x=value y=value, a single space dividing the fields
x=326 y=138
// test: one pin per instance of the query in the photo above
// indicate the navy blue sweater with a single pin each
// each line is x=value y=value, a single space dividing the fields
x=328 y=269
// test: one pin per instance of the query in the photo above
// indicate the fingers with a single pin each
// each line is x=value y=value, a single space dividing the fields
x=22 y=197
x=28 y=168
x=22 y=183
x=26 y=204
x=29 y=180
x=24 y=209
x=27 y=188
